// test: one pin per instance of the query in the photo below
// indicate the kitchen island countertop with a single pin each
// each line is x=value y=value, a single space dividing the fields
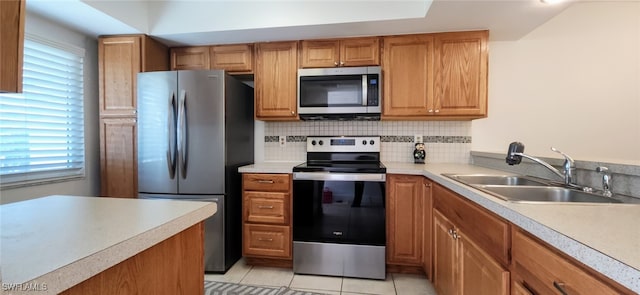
x=52 y=243
x=602 y=236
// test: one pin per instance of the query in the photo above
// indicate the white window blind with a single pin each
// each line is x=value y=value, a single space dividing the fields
x=42 y=129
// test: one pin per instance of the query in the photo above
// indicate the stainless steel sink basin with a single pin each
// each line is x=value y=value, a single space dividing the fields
x=545 y=194
x=526 y=189
x=485 y=179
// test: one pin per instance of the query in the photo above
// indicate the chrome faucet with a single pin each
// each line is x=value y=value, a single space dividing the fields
x=516 y=152
x=606 y=180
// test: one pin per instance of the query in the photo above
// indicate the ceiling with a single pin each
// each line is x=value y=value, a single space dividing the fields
x=203 y=22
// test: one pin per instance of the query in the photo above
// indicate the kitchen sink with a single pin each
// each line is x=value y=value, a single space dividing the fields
x=485 y=179
x=524 y=194
x=527 y=189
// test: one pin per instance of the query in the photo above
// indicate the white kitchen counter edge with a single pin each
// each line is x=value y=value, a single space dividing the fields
x=608 y=266
x=84 y=268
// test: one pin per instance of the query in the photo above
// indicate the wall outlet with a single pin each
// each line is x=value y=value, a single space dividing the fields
x=417 y=138
x=282 y=140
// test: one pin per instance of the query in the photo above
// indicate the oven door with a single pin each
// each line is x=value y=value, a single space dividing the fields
x=339 y=208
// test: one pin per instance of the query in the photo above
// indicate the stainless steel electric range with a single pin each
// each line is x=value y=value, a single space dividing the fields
x=339 y=208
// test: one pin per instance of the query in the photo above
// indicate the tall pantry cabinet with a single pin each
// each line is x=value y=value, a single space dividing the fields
x=120 y=59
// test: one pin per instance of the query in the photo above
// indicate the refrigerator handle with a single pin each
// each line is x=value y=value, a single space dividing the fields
x=171 y=127
x=182 y=133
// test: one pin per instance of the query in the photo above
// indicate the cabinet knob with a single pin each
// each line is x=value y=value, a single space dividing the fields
x=342 y=63
x=437 y=111
x=335 y=63
x=430 y=111
x=293 y=113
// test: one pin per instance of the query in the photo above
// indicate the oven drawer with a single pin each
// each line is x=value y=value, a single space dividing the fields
x=266 y=182
x=266 y=207
x=267 y=240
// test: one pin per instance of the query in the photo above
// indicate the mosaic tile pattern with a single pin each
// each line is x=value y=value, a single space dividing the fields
x=445 y=141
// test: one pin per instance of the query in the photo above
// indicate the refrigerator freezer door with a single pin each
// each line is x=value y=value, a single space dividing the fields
x=201 y=156
x=157 y=107
x=214 y=250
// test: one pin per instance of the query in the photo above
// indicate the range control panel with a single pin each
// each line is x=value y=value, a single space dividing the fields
x=343 y=144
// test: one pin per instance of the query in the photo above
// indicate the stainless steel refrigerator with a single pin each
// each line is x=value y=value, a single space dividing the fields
x=195 y=128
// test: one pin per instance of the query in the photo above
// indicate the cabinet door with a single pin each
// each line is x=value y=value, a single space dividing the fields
x=404 y=219
x=461 y=74
x=408 y=72
x=444 y=256
x=12 y=13
x=427 y=228
x=357 y=52
x=479 y=273
x=190 y=58
x=232 y=58
x=118 y=158
x=119 y=63
x=275 y=81
x=320 y=53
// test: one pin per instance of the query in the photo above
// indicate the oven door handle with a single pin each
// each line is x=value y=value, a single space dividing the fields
x=332 y=176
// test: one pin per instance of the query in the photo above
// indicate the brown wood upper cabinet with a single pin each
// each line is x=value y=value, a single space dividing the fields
x=190 y=58
x=120 y=59
x=12 y=14
x=351 y=52
x=235 y=58
x=435 y=76
x=275 y=84
x=461 y=72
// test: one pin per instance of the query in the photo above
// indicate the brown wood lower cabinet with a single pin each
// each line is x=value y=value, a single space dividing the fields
x=404 y=219
x=538 y=269
x=173 y=267
x=118 y=158
x=266 y=219
x=466 y=261
x=267 y=240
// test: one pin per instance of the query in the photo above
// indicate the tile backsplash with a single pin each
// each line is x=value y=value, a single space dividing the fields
x=445 y=141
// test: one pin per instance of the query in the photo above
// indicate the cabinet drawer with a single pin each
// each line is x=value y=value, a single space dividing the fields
x=266 y=207
x=487 y=230
x=544 y=272
x=266 y=182
x=267 y=240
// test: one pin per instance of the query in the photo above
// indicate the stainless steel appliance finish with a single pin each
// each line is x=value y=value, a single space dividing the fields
x=339 y=259
x=195 y=128
x=214 y=257
x=350 y=93
x=339 y=208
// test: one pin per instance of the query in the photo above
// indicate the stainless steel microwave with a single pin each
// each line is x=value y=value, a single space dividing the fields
x=349 y=93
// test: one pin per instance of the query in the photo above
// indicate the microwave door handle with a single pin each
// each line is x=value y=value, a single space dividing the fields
x=364 y=90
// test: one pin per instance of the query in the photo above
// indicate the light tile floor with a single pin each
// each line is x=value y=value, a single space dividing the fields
x=394 y=284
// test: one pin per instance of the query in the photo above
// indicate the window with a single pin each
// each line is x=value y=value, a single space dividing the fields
x=42 y=129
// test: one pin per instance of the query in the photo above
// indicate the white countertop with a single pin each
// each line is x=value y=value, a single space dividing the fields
x=605 y=237
x=60 y=241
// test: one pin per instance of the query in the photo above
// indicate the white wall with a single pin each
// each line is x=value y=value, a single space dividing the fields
x=90 y=185
x=573 y=83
